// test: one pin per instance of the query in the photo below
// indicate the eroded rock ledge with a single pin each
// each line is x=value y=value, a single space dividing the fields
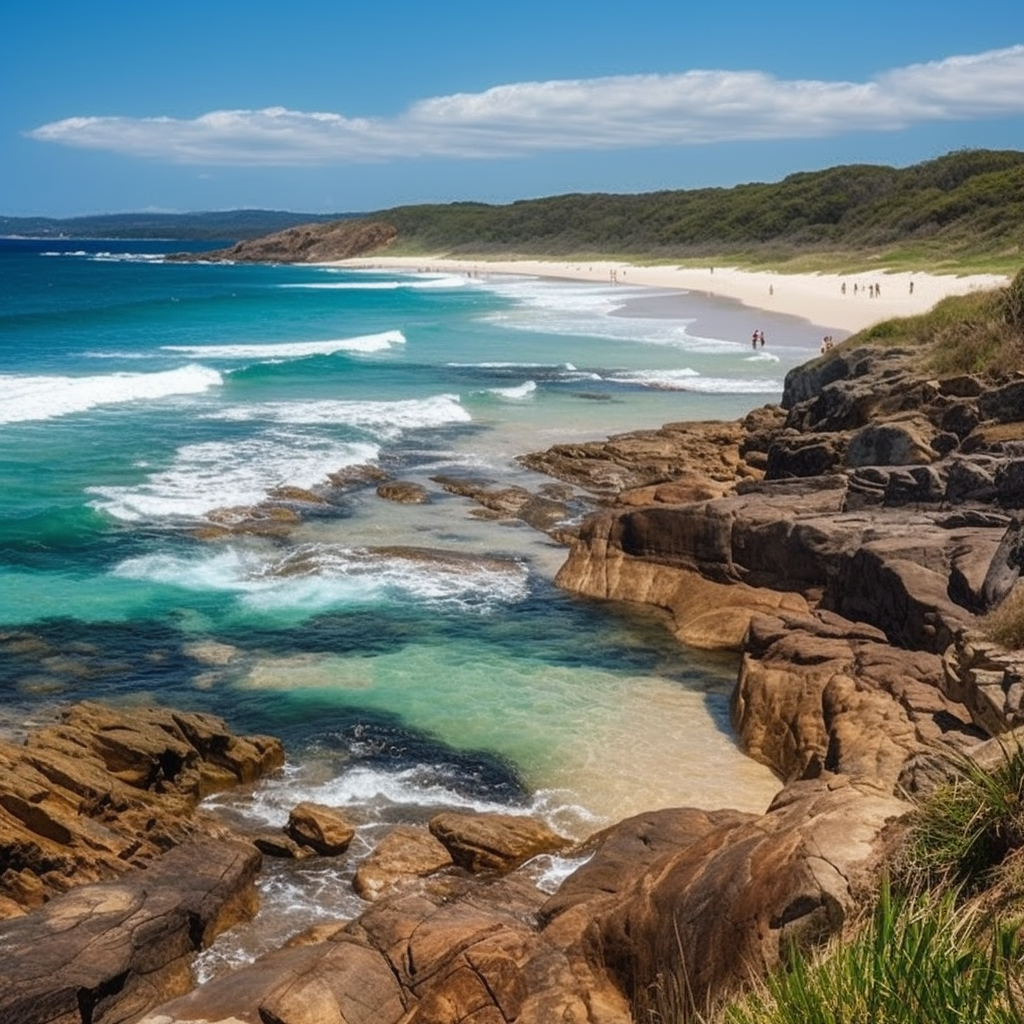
x=105 y=790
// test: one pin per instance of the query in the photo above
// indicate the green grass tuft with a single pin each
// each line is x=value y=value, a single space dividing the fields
x=965 y=830
x=919 y=961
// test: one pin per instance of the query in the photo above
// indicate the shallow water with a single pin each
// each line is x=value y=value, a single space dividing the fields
x=411 y=657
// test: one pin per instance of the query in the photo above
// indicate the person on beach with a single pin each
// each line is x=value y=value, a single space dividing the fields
x=753 y=340
x=760 y=338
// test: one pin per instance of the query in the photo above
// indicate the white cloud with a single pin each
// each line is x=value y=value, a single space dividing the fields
x=690 y=108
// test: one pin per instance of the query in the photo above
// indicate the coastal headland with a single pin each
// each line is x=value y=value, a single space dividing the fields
x=845 y=543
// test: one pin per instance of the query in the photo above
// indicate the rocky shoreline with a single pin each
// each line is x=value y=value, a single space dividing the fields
x=844 y=543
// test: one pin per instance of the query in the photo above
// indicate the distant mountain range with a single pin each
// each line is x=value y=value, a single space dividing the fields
x=220 y=226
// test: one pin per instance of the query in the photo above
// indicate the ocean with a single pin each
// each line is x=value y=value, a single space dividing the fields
x=412 y=657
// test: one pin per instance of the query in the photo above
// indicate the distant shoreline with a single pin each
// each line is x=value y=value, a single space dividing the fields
x=818 y=298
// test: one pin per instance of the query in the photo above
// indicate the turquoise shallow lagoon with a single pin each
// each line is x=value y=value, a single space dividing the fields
x=411 y=657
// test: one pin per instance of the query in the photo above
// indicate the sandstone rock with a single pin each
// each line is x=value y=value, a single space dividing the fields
x=103 y=790
x=350 y=983
x=306 y=243
x=1009 y=483
x=960 y=418
x=111 y=951
x=800 y=455
x=896 y=443
x=1003 y=404
x=546 y=512
x=818 y=693
x=277 y=844
x=647 y=458
x=355 y=477
x=717 y=899
x=987 y=680
x=405 y=852
x=493 y=842
x=296 y=495
x=323 y=829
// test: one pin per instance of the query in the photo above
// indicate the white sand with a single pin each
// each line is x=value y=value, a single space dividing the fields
x=815 y=297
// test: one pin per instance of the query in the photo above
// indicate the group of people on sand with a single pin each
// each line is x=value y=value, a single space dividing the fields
x=874 y=290
x=757 y=339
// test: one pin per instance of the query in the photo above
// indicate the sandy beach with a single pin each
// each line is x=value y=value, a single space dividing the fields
x=819 y=298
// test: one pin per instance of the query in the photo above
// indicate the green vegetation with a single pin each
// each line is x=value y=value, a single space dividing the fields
x=919 y=961
x=962 y=835
x=218 y=226
x=979 y=333
x=961 y=213
x=964 y=211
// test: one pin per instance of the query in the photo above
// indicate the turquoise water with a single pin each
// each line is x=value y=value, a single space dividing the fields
x=412 y=657
x=138 y=397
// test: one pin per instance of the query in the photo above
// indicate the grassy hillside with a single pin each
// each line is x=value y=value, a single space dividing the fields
x=961 y=212
x=966 y=208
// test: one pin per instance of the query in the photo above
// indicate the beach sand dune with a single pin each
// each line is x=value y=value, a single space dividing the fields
x=820 y=298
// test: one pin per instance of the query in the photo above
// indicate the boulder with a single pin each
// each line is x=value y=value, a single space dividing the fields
x=104 y=790
x=820 y=693
x=1003 y=404
x=705 y=917
x=405 y=852
x=324 y=830
x=493 y=842
x=904 y=442
x=987 y=680
x=404 y=492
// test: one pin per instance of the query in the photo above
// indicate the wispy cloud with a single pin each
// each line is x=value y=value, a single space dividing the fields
x=690 y=108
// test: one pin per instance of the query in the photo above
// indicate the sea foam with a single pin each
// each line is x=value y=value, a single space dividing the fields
x=224 y=474
x=689 y=380
x=524 y=390
x=292 y=349
x=43 y=398
x=317 y=577
x=385 y=420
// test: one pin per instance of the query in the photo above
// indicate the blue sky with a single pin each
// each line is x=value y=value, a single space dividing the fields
x=110 y=106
